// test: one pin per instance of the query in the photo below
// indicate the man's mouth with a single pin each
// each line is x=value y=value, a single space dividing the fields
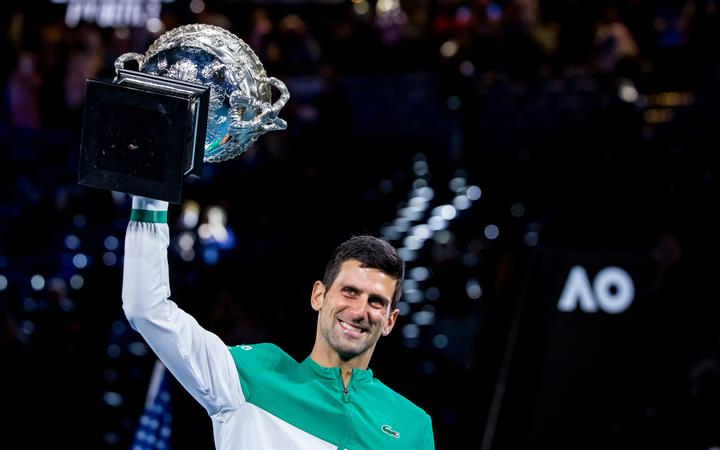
x=350 y=328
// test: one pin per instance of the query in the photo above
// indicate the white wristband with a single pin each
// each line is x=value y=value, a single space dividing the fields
x=149 y=204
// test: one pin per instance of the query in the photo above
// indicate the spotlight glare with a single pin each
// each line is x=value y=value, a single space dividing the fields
x=473 y=193
x=411 y=331
x=491 y=232
x=37 y=282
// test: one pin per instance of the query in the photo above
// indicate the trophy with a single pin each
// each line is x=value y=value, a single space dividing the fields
x=199 y=94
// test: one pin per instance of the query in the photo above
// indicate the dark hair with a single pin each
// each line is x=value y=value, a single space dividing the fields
x=371 y=252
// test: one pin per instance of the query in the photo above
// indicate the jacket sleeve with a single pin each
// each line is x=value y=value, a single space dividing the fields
x=429 y=438
x=199 y=360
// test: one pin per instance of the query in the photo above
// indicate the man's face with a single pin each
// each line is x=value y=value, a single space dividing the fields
x=355 y=310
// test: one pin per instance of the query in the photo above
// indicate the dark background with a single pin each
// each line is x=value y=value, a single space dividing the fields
x=590 y=129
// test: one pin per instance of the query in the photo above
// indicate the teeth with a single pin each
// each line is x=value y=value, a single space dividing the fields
x=347 y=326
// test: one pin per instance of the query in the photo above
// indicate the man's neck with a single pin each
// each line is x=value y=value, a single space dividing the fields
x=346 y=374
x=332 y=359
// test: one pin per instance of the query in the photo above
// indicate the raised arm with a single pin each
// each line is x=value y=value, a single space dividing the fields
x=196 y=357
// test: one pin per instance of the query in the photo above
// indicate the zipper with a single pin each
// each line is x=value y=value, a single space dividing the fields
x=345 y=390
x=349 y=412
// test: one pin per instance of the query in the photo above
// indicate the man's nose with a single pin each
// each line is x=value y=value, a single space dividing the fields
x=358 y=306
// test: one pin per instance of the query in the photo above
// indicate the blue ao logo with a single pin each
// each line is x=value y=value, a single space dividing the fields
x=612 y=291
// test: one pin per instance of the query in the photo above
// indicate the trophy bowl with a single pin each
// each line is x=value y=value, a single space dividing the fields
x=240 y=108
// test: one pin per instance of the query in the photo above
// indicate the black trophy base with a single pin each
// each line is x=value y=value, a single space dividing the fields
x=142 y=140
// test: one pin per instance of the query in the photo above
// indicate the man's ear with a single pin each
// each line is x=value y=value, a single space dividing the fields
x=317 y=296
x=390 y=322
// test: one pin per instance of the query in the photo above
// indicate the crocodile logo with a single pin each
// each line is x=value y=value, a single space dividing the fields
x=387 y=429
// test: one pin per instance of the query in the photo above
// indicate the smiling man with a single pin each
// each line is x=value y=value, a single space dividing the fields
x=257 y=396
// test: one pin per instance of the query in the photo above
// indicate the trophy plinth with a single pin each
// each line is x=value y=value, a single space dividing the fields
x=143 y=134
x=200 y=95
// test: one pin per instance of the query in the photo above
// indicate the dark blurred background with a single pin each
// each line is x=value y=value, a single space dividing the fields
x=548 y=169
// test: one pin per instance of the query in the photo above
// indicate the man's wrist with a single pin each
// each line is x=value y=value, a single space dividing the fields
x=148 y=210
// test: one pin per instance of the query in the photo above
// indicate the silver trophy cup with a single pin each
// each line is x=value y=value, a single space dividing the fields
x=200 y=94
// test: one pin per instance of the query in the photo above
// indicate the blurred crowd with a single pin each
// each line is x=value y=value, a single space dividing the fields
x=388 y=99
x=652 y=42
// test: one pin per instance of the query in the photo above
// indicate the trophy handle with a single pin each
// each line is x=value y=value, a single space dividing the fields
x=252 y=116
x=125 y=57
x=278 y=123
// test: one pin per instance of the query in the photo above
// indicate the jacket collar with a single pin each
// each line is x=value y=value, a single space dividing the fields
x=333 y=373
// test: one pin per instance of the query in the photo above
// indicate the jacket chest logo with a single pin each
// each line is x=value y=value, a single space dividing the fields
x=387 y=429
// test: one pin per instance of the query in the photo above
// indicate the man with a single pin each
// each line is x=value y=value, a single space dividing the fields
x=257 y=396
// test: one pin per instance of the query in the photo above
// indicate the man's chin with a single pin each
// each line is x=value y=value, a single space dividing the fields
x=347 y=353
